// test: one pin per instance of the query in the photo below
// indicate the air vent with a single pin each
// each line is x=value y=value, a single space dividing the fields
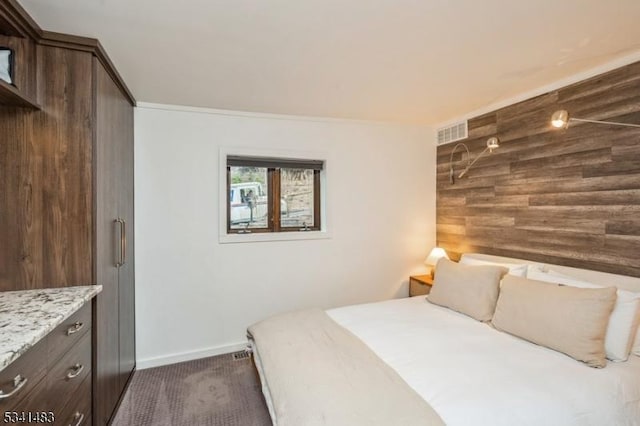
x=452 y=133
x=239 y=356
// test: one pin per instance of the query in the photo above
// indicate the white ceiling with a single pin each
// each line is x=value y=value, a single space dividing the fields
x=422 y=61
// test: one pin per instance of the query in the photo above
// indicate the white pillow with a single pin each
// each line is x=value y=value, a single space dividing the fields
x=564 y=318
x=517 y=269
x=5 y=61
x=636 y=345
x=471 y=290
x=624 y=318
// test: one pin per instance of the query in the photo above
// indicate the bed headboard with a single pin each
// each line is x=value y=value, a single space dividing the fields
x=597 y=277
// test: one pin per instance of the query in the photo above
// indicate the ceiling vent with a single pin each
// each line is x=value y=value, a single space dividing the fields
x=452 y=133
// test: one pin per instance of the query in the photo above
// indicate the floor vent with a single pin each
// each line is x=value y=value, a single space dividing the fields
x=452 y=133
x=239 y=356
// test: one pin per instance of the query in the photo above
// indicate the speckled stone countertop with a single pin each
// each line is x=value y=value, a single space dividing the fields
x=29 y=315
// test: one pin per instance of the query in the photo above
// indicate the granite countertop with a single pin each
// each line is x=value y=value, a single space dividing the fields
x=29 y=315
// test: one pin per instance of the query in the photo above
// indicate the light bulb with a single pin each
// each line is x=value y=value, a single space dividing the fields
x=560 y=119
x=493 y=143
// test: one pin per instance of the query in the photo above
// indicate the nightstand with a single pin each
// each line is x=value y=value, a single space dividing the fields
x=420 y=284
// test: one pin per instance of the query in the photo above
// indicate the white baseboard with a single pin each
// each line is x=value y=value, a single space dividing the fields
x=158 y=361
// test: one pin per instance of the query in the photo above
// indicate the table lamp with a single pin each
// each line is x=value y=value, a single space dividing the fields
x=436 y=254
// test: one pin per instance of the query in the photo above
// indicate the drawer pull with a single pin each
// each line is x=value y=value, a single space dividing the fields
x=76 y=370
x=18 y=383
x=75 y=328
x=78 y=418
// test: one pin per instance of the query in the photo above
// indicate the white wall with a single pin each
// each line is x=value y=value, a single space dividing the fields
x=195 y=297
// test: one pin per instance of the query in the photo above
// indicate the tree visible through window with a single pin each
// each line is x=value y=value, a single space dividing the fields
x=272 y=194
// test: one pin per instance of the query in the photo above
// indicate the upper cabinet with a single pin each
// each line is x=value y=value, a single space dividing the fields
x=48 y=152
x=22 y=92
x=22 y=34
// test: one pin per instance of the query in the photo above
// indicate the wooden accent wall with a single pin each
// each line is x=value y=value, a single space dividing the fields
x=569 y=197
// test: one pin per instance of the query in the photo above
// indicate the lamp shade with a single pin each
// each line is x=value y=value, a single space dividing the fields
x=436 y=254
x=560 y=119
x=493 y=143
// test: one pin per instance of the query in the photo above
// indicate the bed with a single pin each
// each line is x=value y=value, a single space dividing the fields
x=471 y=374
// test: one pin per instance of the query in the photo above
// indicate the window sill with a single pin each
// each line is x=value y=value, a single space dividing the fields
x=273 y=236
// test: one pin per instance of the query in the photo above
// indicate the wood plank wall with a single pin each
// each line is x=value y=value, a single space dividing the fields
x=569 y=197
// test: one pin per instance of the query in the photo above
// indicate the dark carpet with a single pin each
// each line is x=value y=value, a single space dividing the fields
x=216 y=391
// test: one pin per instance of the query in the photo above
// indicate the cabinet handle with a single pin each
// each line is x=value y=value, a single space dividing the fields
x=124 y=242
x=75 y=328
x=119 y=257
x=78 y=418
x=76 y=370
x=18 y=383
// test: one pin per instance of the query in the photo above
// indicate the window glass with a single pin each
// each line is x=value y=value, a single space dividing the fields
x=273 y=194
x=249 y=202
x=297 y=201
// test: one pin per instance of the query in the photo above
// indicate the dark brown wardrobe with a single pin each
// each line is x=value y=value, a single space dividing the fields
x=66 y=200
x=114 y=245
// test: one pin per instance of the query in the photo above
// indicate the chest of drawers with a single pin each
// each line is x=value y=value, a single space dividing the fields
x=51 y=382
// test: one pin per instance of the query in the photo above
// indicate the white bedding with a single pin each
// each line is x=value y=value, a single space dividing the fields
x=472 y=374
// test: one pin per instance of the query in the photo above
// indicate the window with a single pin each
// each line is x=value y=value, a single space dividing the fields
x=272 y=195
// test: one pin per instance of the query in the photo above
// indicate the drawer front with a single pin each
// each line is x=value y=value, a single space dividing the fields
x=78 y=411
x=34 y=402
x=64 y=378
x=22 y=376
x=417 y=288
x=69 y=333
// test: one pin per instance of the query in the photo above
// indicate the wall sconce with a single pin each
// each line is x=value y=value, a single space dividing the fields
x=435 y=255
x=561 y=119
x=492 y=143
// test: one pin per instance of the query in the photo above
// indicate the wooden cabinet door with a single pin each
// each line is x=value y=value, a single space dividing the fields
x=106 y=386
x=46 y=205
x=125 y=210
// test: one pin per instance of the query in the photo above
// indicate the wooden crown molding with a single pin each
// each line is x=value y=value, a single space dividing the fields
x=86 y=44
x=16 y=22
